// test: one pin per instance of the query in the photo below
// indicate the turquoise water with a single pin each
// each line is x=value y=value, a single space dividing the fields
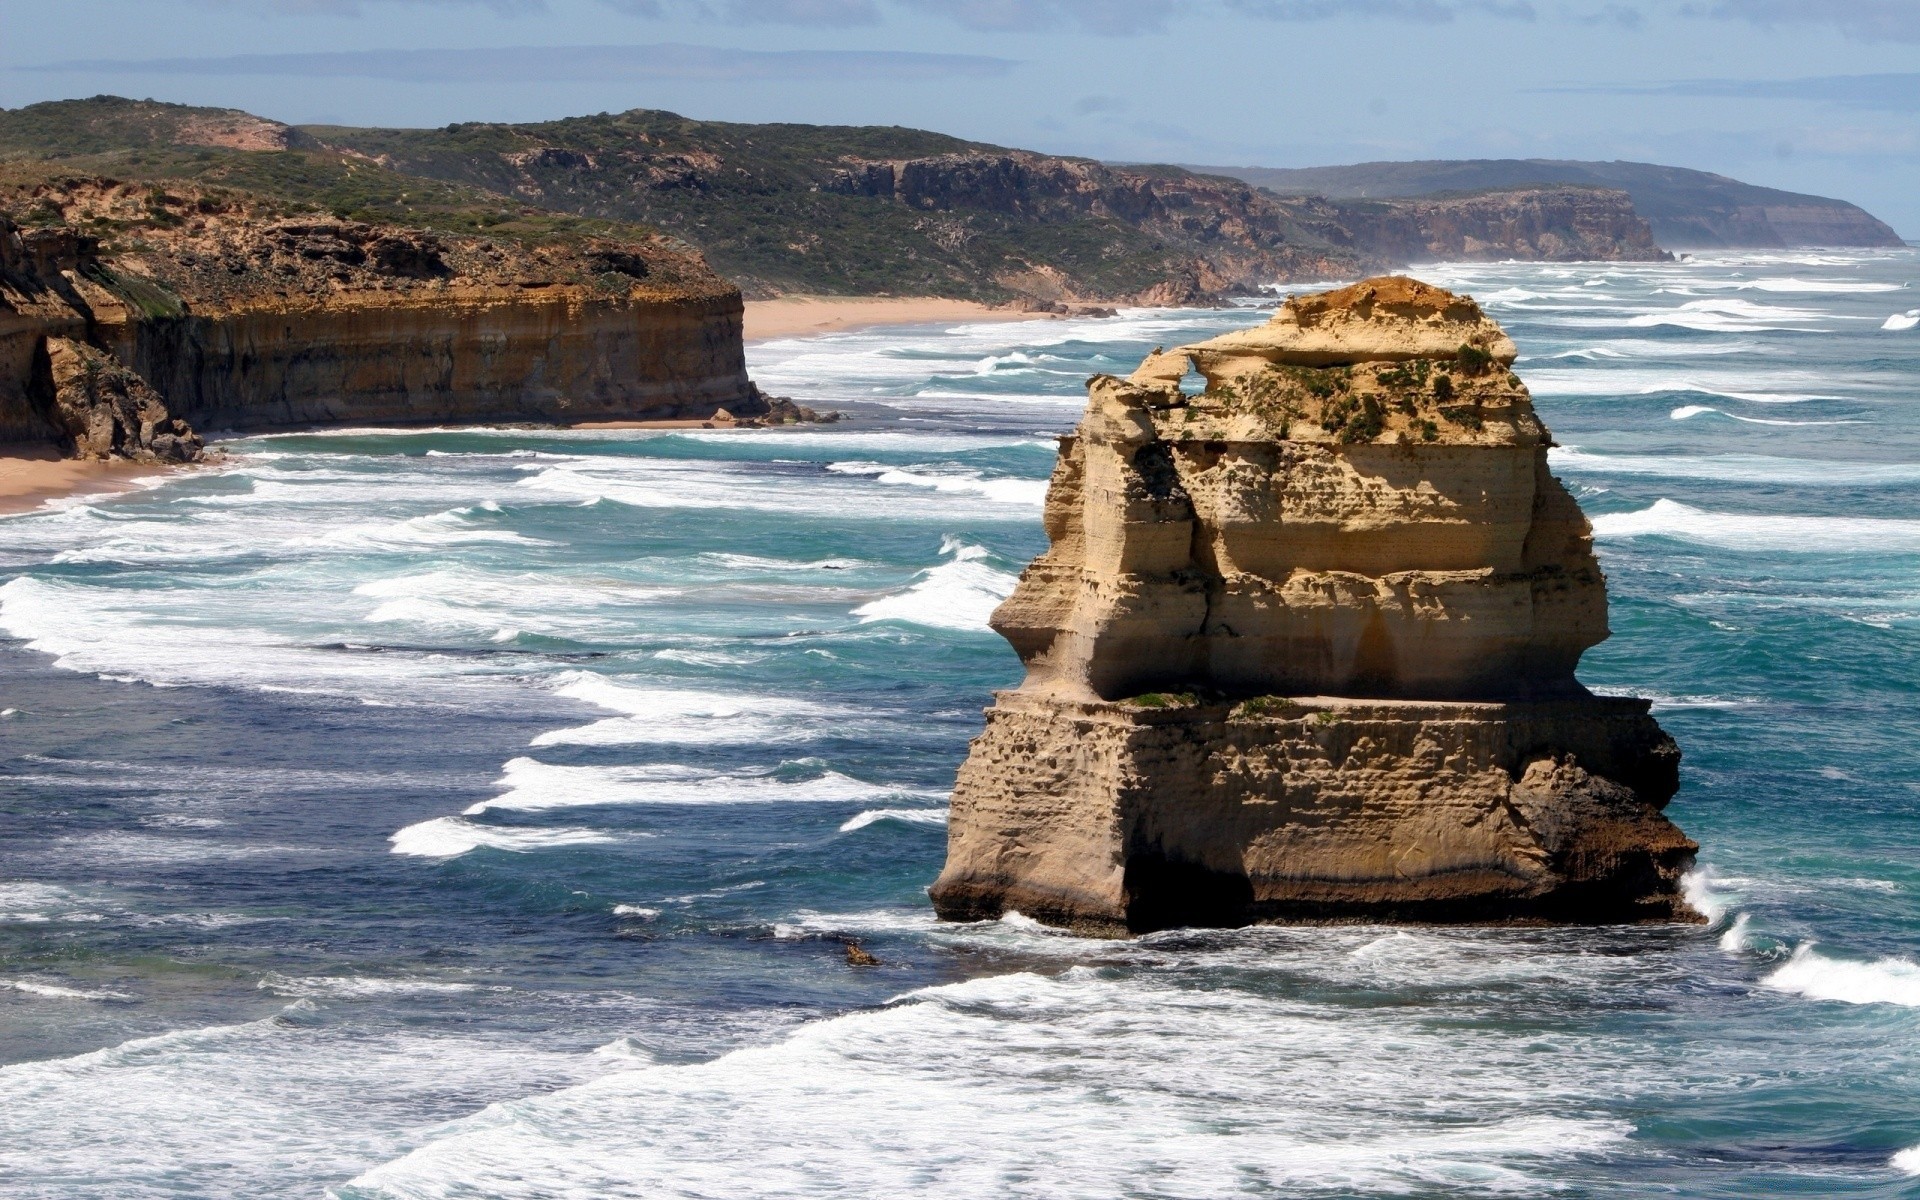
x=445 y=813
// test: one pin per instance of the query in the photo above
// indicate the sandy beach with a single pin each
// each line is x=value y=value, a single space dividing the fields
x=797 y=316
x=32 y=475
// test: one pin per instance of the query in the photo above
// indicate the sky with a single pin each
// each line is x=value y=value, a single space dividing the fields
x=1810 y=95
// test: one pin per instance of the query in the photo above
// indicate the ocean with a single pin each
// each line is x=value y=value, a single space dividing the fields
x=484 y=812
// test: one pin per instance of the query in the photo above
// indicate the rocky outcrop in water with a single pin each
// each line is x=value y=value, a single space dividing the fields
x=238 y=316
x=1303 y=647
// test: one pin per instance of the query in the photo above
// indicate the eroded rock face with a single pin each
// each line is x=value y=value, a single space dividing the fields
x=1303 y=645
x=241 y=318
x=103 y=410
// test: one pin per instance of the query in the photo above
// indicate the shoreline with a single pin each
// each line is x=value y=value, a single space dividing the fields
x=801 y=316
x=31 y=476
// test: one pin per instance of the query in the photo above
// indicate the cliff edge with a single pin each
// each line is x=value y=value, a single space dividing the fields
x=220 y=310
x=1303 y=647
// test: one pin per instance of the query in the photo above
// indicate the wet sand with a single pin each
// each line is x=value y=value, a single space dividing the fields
x=32 y=475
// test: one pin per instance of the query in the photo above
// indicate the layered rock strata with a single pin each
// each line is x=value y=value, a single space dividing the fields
x=1303 y=647
x=239 y=318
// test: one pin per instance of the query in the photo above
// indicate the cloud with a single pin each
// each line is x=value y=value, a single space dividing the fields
x=1886 y=93
x=533 y=64
x=353 y=8
x=837 y=14
x=1431 y=12
x=1866 y=20
x=1114 y=17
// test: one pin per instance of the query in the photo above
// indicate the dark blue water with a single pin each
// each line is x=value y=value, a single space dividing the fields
x=484 y=813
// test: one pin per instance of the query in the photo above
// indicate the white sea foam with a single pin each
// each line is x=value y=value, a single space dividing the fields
x=1687 y=411
x=1817 y=977
x=273 y=1107
x=1754 y=531
x=1627 y=349
x=358 y=987
x=1710 y=894
x=711 y=486
x=1907 y=1161
x=1774 y=386
x=532 y=785
x=635 y=911
x=1901 y=321
x=1736 y=468
x=1032 y=492
x=450 y=837
x=1790 y=283
x=55 y=991
x=435 y=531
x=907 y=816
x=1731 y=315
x=39 y=903
x=991 y=1086
x=1735 y=939
x=679 y=715
x=960 y=593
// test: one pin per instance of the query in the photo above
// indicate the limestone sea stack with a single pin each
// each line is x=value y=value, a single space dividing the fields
x=1303 y=648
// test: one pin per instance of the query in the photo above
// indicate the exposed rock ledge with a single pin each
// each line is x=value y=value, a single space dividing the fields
x=233 y=317
x=1303 y=647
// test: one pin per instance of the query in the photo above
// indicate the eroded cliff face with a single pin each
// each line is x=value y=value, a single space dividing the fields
x=242 y=319
x=1303 y=645
x=1542 y=224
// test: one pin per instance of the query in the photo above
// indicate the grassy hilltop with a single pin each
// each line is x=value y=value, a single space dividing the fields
x=781 y=208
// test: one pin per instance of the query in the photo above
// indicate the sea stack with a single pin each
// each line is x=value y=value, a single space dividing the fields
x=1303 y=647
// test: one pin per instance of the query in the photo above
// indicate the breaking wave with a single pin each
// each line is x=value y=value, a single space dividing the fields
x=1813 y=975
x=960 y=593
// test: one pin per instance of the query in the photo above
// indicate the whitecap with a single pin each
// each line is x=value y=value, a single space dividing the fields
x=1907 y=1160
x=1031 y=492
x=1755 y=531
x=1687 y=411
x=1731 y=315
x=54 y=991
x=450 y=837
x=1813 y=975
x=532 y=786
x=680 y=715
x=906 y=816
x=357 y=987
x=1709 y=894
x=1736 y=468
x=1905 y=320
x=958 y=594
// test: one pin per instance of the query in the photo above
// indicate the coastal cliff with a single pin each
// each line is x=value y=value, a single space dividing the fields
x=1303 y=647
x=1545 y=224
x=1686 y=209
x=239 y=314
x=830 y=210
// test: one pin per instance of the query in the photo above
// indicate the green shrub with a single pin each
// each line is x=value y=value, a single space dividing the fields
x=1163 y=700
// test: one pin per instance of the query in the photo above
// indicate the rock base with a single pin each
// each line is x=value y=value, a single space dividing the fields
x=1131 y=816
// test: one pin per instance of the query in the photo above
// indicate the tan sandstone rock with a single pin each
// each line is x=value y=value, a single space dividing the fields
x=1303 y=646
